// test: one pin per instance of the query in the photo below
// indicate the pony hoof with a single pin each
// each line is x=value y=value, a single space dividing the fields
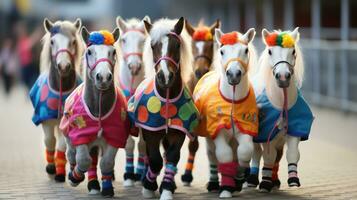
x=60 y=178
x=93 y=187
x=51 y=169
x=253 y=181
x=212 y=186
x=225 y=194
x=166 y=195
x=73 y=181
x=265 y=186
x=147 y=194
x=186 y=184
x=187 y=179
x=128 y=183
x=294 y=182
x=138 y=177
x=108 y=192
x=276 y=184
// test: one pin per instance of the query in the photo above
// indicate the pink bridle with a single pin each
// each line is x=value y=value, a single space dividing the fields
x=99 y=61
x=63 y=51
x=139 y=54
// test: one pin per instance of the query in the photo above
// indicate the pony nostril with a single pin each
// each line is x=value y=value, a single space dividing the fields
x=277 y=76
x=288 y=75
x=98 y=77
x=67 y=67
x=239 y=73
x=109 y=77
x=198 y=74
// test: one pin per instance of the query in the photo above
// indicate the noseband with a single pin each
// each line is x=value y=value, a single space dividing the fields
x=291 y=67
x=139 y=54
x=63 y=51
x=97 y=62
x=244 y=64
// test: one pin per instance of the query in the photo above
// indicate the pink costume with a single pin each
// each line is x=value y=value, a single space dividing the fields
x=82 y=127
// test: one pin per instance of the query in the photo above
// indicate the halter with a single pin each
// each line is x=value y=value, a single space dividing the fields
x=91 y=68
x=177 y=65
x=139 y=54
x=244 y=64
x=291 y=67
x=63 y=51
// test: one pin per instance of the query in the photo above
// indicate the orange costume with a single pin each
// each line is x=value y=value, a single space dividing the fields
x=215 y=110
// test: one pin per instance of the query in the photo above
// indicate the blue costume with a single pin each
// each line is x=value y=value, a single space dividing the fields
x=45 y=100
x=148 y=110
x=300 y=119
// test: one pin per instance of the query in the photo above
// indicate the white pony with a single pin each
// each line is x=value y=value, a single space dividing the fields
x=285 y=117
x=226 y=102
x=131 y=73
x=60 y=58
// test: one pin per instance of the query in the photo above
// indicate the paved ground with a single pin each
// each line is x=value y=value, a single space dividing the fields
x=328 y=166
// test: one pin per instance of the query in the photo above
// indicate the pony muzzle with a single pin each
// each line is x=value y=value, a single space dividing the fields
x=234 y=76
x=64 y=67
x=282 y=74
x=135 y=68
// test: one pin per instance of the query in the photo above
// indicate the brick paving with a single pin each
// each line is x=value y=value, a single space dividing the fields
x=328 y=165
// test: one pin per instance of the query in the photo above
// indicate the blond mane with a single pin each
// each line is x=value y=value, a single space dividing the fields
x=68 y=28
x=161 y=28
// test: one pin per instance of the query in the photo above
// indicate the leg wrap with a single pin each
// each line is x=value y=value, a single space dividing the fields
x=228 y=172
x=92 y=171
x=50 y=157
x=129 y=167
x=60 y=162
x=292 y=169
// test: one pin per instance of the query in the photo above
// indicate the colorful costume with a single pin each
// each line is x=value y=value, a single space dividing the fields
x=215 y=109
x=300 y=119
x=45 y=100
x=148 y=110
x=82 y=127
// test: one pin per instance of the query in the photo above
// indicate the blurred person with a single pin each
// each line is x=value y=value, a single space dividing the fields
x=8 y=64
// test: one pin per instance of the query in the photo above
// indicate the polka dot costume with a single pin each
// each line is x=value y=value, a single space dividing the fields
x=147 y=109
x=45 y=100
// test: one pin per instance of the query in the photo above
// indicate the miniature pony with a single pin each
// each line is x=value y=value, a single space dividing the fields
x=95 y=113
x=162 y=105
x=285 y=117
x=60 y=58
x=202 y=49
x=226 y=102
x=131 y=73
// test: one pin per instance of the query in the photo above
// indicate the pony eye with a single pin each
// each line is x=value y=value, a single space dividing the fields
x=123 y=40
x=294 y=52
x=73 y=42
x=246 y=51
x=89 y=52
x=51 y=42
x=269 y=52
x=114 y=53
x=222 y=52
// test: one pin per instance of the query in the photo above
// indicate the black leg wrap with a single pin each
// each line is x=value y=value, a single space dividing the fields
x=171 y=186
x=60 y=178
x=228 y=188
x=130 y=176
x=294 y=181
x=51 y=169
x=150 y=185
x=266 y=184
x=276 y=183
x=213 y=186
x=108 y=192
x=70 y=177
x=253 y=180
x=239 y=184
x=187 y=177
x=93 y=185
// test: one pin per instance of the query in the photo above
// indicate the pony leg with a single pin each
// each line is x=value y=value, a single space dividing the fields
x=253 y=179
x=141 y=166
x=50 y=143
x=152 y=141
x=129 y=176
x=213 y=184
x=244 y=152
x=60 y=157
x=226 y=166
x=175 y=141
x=275 y=176
x=93 y=184
x=187 y=176
x=269 y=156
x=83 y=161
x=71 y=154
x=293 y=156
x=107 y=168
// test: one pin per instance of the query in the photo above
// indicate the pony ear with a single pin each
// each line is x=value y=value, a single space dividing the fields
x=190 y=30
x=78 y=24
x=116 y=34
x=295 y=34
x=249 y=35
x=217 y=35
x=121 y=24
x=265 y=33
x=142 y=23
x=179 y=26
x=148 y=26
x=146 y=18
x=85 y=34
x=215 y=25
x=47 y=24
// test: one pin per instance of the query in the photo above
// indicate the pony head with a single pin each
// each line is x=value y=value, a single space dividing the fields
x=62 y=42
x=202 y=46
x=100 y=56
x=132 y=42
x=234 y=54
x=166 y=50
x=281 y=49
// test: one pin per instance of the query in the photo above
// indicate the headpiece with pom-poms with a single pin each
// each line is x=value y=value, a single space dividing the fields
x=283 y=39
x=229 y=38
x=202 y=34
x=101 y=37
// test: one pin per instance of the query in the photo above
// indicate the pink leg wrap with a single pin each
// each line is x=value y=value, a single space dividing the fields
x=228 y=172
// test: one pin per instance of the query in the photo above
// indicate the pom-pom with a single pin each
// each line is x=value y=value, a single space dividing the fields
x=202 y=34
x=280 y=39
x=229 y=38
x=96 y=38
x=288 y=41
x=108 y=37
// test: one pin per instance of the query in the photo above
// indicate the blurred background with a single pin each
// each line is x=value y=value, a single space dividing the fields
x=328 y=31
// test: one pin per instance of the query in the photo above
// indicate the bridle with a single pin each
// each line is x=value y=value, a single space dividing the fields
x=291 y=67
x=244 y=64
x=139 y=54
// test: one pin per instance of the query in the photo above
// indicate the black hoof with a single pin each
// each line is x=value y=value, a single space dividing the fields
x=138 y=177
x=150 y=185
x=213 y=186
x=294 y=182
x=108 y=192
x=171 y=186
x=74 y=180
x=187 y=178
x=239 y=185
x=130 y=176
x=227 y=188
x=265 y=186
x=253 y=180
x=51 y=169
x=60 y=178
x=276 y=183
x=93 y=185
